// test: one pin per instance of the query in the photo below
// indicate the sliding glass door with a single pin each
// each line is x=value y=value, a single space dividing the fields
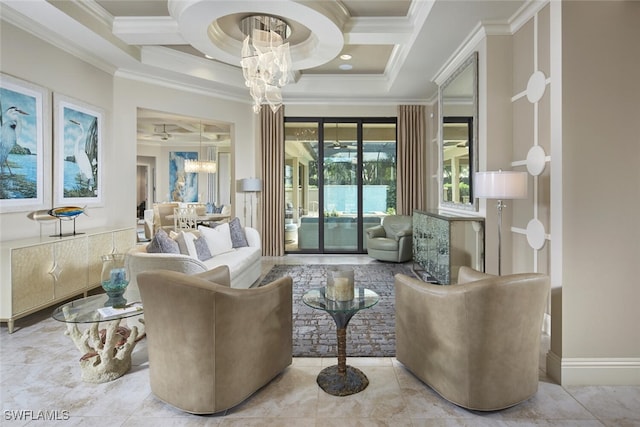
x=339 y=181
x=340 y=201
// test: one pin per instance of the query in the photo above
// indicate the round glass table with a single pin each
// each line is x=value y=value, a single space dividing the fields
x=106 y=352
x=340 y=379
x=95 y=309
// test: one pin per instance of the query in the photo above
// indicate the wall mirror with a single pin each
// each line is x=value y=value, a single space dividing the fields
x=458 y=136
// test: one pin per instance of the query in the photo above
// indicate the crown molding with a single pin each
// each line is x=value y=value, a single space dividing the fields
x=497 y=29
x=144 y=30
x=180 y=83
x=460 y=54
x=418 y=13
x=378 y=30
x=488 y=28
x=29 y=22
x=525 y=13
x=97 y=12
x=185 y=64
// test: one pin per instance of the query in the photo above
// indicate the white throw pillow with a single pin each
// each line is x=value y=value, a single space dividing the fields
x=186 y=242
x=218 y=239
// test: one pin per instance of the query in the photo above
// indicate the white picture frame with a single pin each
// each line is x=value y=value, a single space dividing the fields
x=25 y=170
x=78 y=154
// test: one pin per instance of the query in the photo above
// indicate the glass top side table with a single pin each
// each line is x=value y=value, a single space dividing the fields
x=85 y=310
x=340 y=379
x=106 y=352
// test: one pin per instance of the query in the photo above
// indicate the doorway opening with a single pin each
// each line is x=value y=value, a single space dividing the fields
x=340 y=179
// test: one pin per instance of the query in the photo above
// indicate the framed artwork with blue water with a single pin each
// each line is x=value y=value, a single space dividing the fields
x=78 y=152
x=183 y=186
x=25 y=145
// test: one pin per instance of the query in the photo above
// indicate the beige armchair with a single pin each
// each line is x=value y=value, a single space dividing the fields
x=476 y=343
x=391 y=241
x=211 y=346
x=160 y=213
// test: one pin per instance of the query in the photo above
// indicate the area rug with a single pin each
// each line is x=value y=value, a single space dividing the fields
x=371 y=332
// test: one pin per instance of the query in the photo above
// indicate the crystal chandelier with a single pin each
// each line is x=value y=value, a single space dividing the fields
x=266 y=63
x=197 y=166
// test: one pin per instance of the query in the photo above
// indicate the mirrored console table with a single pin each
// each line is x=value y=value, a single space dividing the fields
x=443 y=242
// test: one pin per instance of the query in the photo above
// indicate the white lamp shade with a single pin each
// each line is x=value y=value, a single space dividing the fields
x=250 y=185
x=501 y=185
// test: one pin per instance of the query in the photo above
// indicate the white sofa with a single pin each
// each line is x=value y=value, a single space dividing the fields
x=244 y=263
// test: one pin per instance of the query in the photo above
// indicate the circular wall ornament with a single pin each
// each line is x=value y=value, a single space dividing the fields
x=535 y=234
x=536 y=160
x=536 y=86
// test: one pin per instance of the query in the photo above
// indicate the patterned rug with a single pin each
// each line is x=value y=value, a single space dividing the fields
x=370 y=333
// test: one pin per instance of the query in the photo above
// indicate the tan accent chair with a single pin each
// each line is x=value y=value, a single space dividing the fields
x=161 y=212
x=211 y=346
x=391 y=241
x=476 y=343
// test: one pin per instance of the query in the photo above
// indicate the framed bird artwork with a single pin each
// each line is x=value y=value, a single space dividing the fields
x=78 y=152
x=25 y=145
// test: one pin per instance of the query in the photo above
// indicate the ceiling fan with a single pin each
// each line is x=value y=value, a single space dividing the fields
x=337 y=145
x=163 y=135
x=343 y=145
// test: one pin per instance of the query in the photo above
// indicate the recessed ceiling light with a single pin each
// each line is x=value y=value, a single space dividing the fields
x=208 y=56
x=345 y=57
x=346 y=67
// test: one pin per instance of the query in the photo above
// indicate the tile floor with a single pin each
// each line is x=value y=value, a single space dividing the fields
x=39 y=372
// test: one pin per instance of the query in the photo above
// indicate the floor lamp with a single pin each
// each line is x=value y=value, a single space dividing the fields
x=250 y=185
x=500 y=185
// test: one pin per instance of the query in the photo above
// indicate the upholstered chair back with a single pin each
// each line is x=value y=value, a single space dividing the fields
x=393 y=240
x=162 y=210
x=476 y=343
x=395 y=224
x=211 y=346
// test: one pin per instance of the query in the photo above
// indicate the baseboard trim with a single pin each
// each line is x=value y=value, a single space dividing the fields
x=593 y=371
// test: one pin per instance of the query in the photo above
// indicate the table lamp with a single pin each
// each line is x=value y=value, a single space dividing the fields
x=500 y=185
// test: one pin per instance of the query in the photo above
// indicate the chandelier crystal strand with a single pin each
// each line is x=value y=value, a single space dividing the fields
x=198 y=166
x=266 y=61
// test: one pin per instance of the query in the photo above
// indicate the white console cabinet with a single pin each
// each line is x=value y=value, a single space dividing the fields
x=39 y=272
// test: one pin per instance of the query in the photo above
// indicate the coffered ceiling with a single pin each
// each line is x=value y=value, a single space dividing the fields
x=397 y=47
x=162 y=128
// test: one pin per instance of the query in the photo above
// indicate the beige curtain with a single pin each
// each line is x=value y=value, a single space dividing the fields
x=272 y=143
x=412 y=140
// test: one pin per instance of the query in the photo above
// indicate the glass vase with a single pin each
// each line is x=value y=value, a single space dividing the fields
x=114 y=279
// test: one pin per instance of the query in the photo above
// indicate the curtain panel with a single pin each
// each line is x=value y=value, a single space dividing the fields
x=272 y=144
x=412 y=139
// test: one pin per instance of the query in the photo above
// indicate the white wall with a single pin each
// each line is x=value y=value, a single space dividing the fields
x=131 y=94
x=29 y=58
x=22 y=56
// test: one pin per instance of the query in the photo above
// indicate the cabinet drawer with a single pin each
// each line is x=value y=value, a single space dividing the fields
x=99 y=244
x=31 y=283
x=71 y=257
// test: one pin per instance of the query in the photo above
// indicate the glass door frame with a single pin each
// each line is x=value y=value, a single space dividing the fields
x=359 y=122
